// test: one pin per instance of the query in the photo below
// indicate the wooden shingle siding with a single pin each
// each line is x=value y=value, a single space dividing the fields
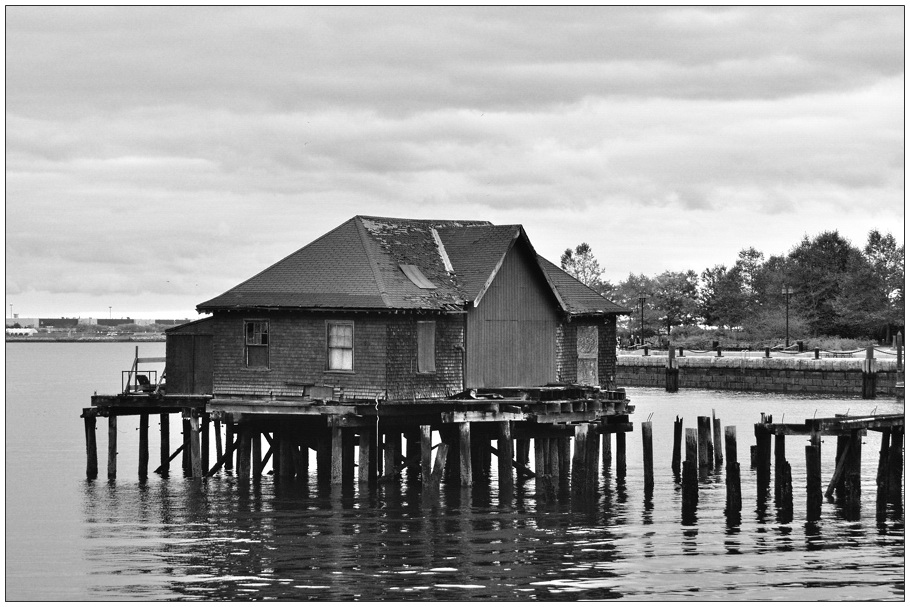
x=297 y=356
x=606 y=356
x=511 y=337
x=403 y=379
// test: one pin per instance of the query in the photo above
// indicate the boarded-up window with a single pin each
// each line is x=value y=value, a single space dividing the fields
x=341 y=346
x=257 y=343
x=426 y=347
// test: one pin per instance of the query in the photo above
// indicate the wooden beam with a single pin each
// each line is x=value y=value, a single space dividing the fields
x=91 y=446
x=143 y=445
x=112 y=447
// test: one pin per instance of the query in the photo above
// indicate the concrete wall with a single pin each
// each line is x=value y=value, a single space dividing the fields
x=836 y=376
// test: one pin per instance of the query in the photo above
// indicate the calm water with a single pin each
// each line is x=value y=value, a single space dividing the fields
x=172 y=538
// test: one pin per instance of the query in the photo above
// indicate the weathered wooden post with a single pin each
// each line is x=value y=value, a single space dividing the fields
x=426 y=454
x=438 y=467
x=504 y=458
x=677 y=445
x=840 y=459
x=541 y=473
x=165 y=446
x=323 y=458
x=91 y=444
x=852 y=481
x=337 y=454
x=143 y=445
x=195 y=449
x=869 y=374
x=205 y=441
x=780 y=458
x=620 y=455
x=762 y=459
x=718 y=451
x=813 y=484
x=734 y=488
x=367 y=472
x=647 y=455
x=672 y=370
x=229 y=444
x=286 y=448
x=881 y=477
x=564 y=446
x=244 y=451
x=464 y=452
x=256 y=443
x=607 y=454
x=690 y=474
x=111 y=446
x=218 y=448
x=704 y=433
x=896 y=464
x=187 y=462
x=347 y=457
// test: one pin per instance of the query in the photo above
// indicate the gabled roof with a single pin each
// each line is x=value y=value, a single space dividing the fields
x=370 y=263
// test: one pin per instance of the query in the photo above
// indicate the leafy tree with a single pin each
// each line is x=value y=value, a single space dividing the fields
x=676 y=297
x=582 y=264
x=719 y=297
x=818 y=270
x=887 y=261
x=627 y=294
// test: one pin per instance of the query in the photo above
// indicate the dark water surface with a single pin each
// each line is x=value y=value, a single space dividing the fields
x=172 y=538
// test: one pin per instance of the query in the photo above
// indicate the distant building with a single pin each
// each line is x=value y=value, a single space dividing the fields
x=58 y=323
x=113 y=322
x=22 y=322
x=28 y=331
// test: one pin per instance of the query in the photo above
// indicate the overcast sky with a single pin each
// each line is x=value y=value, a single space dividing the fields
x=156 y=157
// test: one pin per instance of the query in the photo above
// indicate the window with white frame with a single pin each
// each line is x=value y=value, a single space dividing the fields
x=257 y=343
x=340 y=346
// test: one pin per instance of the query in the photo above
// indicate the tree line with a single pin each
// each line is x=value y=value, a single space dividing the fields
x=823 y=287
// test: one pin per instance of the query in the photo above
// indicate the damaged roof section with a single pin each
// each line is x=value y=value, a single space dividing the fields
x=389 y=263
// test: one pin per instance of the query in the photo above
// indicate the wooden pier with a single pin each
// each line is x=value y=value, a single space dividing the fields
x=471 y=426
x=845 y=481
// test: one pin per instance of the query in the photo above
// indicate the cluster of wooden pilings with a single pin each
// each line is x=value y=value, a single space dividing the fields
x=361 y=443
x=845 y=483
x=704 y=455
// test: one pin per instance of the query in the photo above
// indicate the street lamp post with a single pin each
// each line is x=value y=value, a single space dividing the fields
x=641 y=304
x=787 y=292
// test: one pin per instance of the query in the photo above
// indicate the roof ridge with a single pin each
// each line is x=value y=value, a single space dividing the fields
x=377 y=275
x=473 y=222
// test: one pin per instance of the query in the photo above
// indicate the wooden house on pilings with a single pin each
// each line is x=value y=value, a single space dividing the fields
x=388 y=328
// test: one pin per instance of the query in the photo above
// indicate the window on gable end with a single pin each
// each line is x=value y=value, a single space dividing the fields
x=426 y=346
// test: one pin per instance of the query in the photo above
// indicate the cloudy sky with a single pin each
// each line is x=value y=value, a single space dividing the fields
x=156 y=157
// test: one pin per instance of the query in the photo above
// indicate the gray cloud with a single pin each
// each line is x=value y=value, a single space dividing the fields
x=168 y=153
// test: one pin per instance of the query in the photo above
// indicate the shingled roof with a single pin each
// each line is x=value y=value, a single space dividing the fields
x=386 y=263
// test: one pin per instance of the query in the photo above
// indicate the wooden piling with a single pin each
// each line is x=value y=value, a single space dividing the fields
x=852 y=480
x=672 y=371
x=881 y=476
x=244 y=452
x=91 y=445
x=464 y=452
x=256 y=443
x=219 y=452
x=367 y=471
x=704 y=434
x=579 y=460
x=813 y=484
x=718 y=451
x=734 y=487
x=677 y=445
x=690 y=473
x=843 y=444
x=504 y=457
x=165 y=444
x=438 y=467
x=426 y=454
x=620 y=455
x=187 y=450
x=111 y=446
x=229 y=444
x=540 y=467
x=347 y=456
x=896 y=464
x=300 y=457
x=592 y=458
x=780 y=458
x=143 y=445
x=762 y=459
x=564 y=445
x=869 y=374
x=607 y=453
x=195 y=449
x=337 y=455
x=323 y=458
x=647 y=455
x=285 y=458
x=205 y=440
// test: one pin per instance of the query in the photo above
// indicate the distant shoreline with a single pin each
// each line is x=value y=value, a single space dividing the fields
x=45 y=339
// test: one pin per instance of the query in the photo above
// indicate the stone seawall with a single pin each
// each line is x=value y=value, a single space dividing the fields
x=840 y=376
